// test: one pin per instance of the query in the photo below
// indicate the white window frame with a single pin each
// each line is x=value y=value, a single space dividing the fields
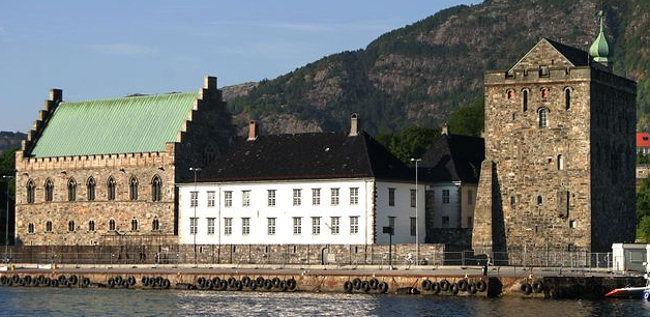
x=297 y=196
x=335 y=225
x=245 y=226
x=334 y=196
x=297 y=225
x=315 y=226
x=245 y=198
x=270 y=230
x=211 y=199
x=194 y=224
x=227 y=226
x=211 y=226
x=194 y=199
x=271 y=197
x=315 y=196
x=354 y=195
x=227 y=198
x=354 y=224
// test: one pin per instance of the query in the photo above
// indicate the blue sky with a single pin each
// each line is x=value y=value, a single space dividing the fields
x=99 y=49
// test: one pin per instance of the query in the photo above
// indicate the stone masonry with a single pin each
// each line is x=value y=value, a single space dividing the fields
x=560 y=156
x=206 y=133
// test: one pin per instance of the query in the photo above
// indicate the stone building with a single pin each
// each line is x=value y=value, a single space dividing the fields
x=559 y=168
x=451 y=169
x=105 y=171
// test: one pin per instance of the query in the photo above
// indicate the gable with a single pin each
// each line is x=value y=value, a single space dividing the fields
x=110 y=126
x=553 y=54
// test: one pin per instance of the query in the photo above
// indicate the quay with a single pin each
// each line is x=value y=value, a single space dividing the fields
x=425 y=280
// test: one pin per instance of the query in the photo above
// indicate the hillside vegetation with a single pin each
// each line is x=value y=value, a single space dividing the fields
x=421 y=73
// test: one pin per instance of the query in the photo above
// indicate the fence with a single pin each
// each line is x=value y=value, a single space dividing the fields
x=298 y=255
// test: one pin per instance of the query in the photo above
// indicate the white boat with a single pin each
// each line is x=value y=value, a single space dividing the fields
x=634 y=292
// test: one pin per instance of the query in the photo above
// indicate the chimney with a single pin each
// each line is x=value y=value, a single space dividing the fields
x=445 y=129
x=252 y=130
x=354 y=124
x=210 y=82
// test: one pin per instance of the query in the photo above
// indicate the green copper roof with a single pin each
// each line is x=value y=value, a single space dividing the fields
x=599 y=50
x=122 y=125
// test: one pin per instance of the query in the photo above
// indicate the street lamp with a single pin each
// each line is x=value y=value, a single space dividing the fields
x=417 y=235
x=196 y=230
x=7 y=178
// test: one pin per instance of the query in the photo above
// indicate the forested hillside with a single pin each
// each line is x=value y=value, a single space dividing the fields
x=423 y=72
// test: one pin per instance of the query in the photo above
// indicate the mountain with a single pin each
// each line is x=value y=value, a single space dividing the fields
x=422 y=72
x=10 y=140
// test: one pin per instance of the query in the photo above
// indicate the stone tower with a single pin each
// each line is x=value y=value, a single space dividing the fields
x=559 y=153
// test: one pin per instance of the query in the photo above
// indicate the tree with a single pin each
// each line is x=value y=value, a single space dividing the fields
x=643 y=210
x=643 y=231
x=469 y=120
x=409 y=142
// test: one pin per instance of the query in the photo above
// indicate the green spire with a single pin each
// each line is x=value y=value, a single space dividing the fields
x=600 y=49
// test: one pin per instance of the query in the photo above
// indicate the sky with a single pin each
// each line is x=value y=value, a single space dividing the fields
x=105 y=49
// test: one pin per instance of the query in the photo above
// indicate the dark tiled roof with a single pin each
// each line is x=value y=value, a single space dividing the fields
x=576 y=56
x=454 y=158
x=306 y=156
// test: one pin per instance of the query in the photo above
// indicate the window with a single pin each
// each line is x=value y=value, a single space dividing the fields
x=30 y=192
x=470 y=197
x=110 y=190
x=445 y=196
x=336 y=221
x=413 y=226
x=30 y=228
x=334 y=198
x=49 y=190
x=271 y=197
x=513 y=201
x=71 y=225
x=315 y=196
x=111 y=225
x=245 y=198
x=297 y=225
x=210 y=199
x=572 y=224
x=510 y=94
x=227 y=199
x=48 y=226
x=134 y=225
x=227 y=226
x=271 y=226
x=354 y=195
x=470 y=221
x=445 y=221
x=560 y=162
x=539 y=200
x=194 y=199
x=567 y=98
x=133 y=188
x=524 y=96
x=391 y=197
x=72 y=190
x=155 y=225
x=315 y=226
x=542 y=118
x=194 y=222
x=245 y=226
x=91 y=225
x=413 y=197
x=211 y=226
x=354 y=224
x=391 y=223
x=156 y=189
x=296 y=197
x=544 y=93
x=90 y=188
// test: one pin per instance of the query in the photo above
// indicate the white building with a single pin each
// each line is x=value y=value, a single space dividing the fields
x=311 y=188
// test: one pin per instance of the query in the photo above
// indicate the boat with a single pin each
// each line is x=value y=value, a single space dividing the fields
x=634 y=292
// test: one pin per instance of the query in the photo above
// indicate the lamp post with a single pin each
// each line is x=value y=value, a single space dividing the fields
x=7 y=178
x=196 y=230
x=417 y=229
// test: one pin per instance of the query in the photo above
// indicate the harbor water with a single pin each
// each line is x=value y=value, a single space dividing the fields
x=112 y=302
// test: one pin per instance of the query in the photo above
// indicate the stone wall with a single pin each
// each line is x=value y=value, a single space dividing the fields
x=546 y=191
x=204 y=136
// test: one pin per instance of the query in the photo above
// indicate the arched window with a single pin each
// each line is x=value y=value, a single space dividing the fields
x=90 y=188
x=91 y=225
x=72 y=190
x=48 y=226
x=156 y=189
x=111 y=225
x=567 y=98
x=30 y=191
x=71 y=225
x=49 y=190
x=544 y=93
x=543 y=117
x=134 y=225
x=133 y=188
x=510 y=94
x=155 y=225
x=524 y=97
x=111 y=188
x=560 y=162
x=539 y=200
x=30 y=228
